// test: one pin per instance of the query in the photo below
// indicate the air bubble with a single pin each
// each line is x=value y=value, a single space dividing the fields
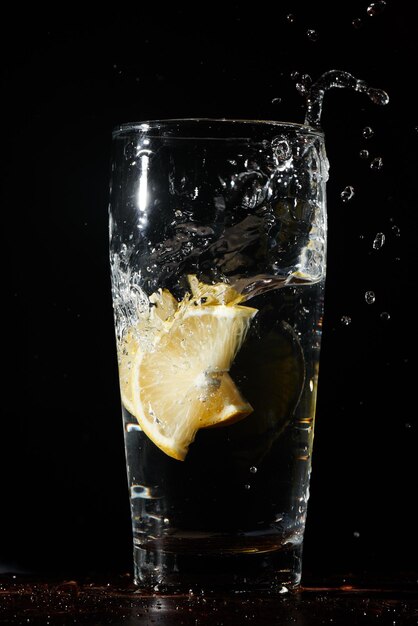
x=385 y=316
x=281 y=148
x=367 y=132
x=375 y=8
x=379 y=240
x=347 y=193
x=312 y=34
x=364 y=154
x=376 y=164
x=370 y=297
x=346 y=320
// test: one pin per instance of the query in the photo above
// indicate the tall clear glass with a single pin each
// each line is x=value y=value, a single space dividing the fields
x=217 y=249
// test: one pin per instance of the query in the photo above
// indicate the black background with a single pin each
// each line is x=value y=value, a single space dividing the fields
x=70 y=76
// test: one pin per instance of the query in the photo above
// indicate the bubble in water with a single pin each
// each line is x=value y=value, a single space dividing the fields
x=346 y=320
x=385 y=316
x=376 y=164
x=364 y=154
x=276 y=101
x=253 y=469
x=368 y=132
x=290 y=18
x=281 y=148
x=378 y=241
x=357 y=22
x=312 y=34
x=375 y=8
x=370 y=297
x=347 y=193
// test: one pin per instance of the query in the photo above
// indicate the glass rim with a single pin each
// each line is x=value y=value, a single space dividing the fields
x=172 y=123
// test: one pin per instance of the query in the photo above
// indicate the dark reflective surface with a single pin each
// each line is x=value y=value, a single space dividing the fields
x=337 y=601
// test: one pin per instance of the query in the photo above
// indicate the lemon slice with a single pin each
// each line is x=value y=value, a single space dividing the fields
x=183 y=384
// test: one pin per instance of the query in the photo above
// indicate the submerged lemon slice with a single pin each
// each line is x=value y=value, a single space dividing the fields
x=182 y=384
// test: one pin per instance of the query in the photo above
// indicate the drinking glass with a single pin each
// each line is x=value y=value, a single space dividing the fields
x=217 y=251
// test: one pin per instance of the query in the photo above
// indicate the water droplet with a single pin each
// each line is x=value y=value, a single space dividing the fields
x=364 y=154
x=178 y=213
x=375 y=8
x=357 y=22
x=253 y=469
x=408 y=425
x=379 y=240
x=385 y=316
x=294 y=75
x=396 y=231
x=370 y=297
x=312 y=34
x=276 y=101
x=347 y=193
x=376 y=164
x=166 y=520
x=247 y=487
x=346 y=320
x=356 y=534
x=368 y=132
x=378 y=96
x=290 y=18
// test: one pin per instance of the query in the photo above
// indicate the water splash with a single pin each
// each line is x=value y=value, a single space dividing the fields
x=337 y=78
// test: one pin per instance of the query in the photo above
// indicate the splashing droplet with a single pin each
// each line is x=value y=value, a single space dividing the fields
x=379 y=240
x=304 y=84
x=290 y=18
x=367 y=132
x=364 y=154
x=346 y=320
x=347 y=193
x=276 y=101
x=247 y=487
x=378 y=96
x=370 y=297
x=253 y=469
x=396 y=231
x=376 y=164
x=385 y=316
x=375 y=8
x=356 y=534
x=312 y=34
x=357 y=22
x=294 y=75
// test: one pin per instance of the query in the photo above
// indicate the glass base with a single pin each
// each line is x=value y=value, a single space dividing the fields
x=275 y=572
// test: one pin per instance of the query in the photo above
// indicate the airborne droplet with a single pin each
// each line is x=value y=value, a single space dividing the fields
x=379 y=240
x=346 y=320
x=347 y=193
x=276 y=101
x=376 y=164
x=370 y=297
x=312 y=34
x=385 y=316
x=357 y=22
x=368 y=132
x=377 y=96
x=364 y=154
x=375 y=8
x=290 y=18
